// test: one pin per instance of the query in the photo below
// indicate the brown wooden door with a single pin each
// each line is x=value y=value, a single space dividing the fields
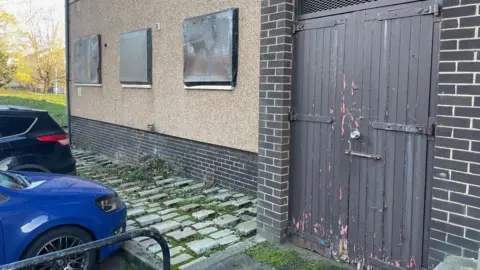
x=360 y=127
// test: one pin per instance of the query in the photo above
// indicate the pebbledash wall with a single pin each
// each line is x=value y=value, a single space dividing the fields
x=455 y=219
x=208 y=133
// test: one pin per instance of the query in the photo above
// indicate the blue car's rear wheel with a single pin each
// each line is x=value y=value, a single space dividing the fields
x=58 y=239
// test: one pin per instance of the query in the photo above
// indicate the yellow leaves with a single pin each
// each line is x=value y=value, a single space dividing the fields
x=24 y=73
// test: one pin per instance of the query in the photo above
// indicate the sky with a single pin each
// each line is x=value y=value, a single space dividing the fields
x=17 y=7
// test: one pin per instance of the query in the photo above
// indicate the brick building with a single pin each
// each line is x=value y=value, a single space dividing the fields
x=356 y=123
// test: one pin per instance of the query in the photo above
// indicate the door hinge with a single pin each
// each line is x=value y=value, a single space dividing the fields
x=436 y=9
x=433 y=9
x=297 y=27
x=432 y=126
x=292 y=116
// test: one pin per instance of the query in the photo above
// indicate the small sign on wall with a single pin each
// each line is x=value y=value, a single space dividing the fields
x=210 y=49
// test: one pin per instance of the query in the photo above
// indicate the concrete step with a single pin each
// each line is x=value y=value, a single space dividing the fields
x=458 y=263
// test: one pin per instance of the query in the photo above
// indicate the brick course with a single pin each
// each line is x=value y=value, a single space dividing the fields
x=274 y=126
x=232 y=168
x=455 y=223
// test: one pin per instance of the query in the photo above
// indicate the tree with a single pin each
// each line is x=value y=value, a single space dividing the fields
x=24 y=72
x=44 y=35
x=7 y=63
x=7 y=69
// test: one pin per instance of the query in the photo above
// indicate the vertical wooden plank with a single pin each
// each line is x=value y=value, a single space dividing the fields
x=319 y=144
x=361 y=99
x=423 y=96
x=301 y=157
x=377 y=195
x=337 y=35
x=310 y=142
x=327 y=139
x=381 y=146
x=350 y=191
x=369 y=98
x=399 y=154
x=410 y=144
x=354 y=96
x=344 y=190
x=392 y=90
x=305 y=127
x=336 y=182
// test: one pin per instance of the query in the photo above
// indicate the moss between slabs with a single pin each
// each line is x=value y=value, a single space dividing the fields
x=280 y=258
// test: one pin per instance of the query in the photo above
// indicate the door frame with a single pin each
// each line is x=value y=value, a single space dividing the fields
x=432 y=107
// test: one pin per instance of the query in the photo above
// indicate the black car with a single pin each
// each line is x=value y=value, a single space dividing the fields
x=30 y=140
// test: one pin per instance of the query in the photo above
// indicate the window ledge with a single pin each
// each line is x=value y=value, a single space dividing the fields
x=143 y=86
x=210 y=87
x=88 y=85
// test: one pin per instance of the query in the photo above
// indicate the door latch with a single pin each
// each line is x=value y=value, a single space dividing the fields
x=355 y=134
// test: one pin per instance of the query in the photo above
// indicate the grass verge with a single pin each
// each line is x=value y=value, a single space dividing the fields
x=54 y=104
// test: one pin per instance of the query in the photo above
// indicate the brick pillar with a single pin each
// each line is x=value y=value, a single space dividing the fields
x=455 y=220
x=274 y=126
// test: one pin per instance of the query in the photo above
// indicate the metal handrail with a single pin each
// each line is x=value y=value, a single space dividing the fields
x=149 y=232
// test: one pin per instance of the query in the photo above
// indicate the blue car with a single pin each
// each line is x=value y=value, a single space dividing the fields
x=41 y=213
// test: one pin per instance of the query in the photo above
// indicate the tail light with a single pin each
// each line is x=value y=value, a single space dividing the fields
x=61 y=139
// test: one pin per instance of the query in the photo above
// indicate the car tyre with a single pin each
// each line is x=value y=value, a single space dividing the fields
x=56 y=238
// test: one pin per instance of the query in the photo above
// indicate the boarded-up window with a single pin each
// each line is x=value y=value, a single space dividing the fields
x=87 y=62
x=210 y=48
x=136 y=57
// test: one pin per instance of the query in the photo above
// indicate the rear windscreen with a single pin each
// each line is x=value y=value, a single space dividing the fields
x=12 y=125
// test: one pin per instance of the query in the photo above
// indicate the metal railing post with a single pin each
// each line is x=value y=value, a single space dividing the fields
x=149 y=232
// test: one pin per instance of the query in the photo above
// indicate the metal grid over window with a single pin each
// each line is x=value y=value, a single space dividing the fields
x=310 y=6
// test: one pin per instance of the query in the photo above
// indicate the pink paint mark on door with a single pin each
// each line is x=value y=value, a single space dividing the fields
x=344 y=230
x=341 y=194
x=412 y=263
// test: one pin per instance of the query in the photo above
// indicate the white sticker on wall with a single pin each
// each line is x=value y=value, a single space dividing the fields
x=79 y=91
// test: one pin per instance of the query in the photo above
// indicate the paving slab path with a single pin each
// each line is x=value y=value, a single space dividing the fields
x=198 y=223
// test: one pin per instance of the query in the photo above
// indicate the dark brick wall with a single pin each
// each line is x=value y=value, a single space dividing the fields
x=274 y=127
x=455 y=224
x=232 y=168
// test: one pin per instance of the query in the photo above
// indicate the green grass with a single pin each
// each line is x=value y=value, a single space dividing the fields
x=54 y=104
x=279 y=258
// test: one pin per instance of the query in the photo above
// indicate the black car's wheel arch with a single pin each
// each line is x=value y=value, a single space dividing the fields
x=97 y=252
x=30 y=168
